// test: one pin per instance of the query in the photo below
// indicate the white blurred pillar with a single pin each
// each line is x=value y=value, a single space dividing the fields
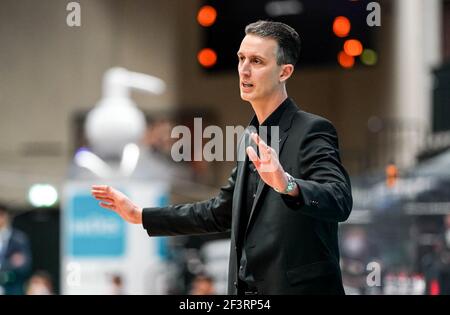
x=417 y=40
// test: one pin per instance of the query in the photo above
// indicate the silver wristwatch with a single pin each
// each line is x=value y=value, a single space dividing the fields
x=290 y=186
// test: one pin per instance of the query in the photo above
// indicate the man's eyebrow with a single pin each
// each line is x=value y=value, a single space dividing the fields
x=255 y=55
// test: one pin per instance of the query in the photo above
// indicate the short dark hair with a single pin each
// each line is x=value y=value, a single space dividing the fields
x=287 y=38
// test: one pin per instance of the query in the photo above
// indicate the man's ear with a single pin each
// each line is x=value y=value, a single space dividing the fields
x=286 y=72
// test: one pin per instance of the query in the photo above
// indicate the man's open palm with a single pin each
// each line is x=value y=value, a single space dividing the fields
x=267 y=164
x=115 y=200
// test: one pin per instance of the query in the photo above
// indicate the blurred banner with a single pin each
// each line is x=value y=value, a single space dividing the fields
x=101 y=253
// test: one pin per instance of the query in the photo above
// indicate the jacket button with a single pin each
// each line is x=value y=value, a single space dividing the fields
x=235 y=284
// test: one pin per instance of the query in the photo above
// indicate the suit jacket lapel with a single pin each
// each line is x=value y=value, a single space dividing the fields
x=239 y=185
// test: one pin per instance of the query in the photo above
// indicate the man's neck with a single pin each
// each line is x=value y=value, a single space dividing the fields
x=264 y=108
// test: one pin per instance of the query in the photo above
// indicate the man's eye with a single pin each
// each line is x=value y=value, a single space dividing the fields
x=241 y=58
x=256 y=61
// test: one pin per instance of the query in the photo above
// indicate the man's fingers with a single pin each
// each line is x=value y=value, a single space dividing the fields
x=260 y=142
x=255 y=137
x=107 y=199
x=253 y=156
x=265 y=152
x=105 y=192
x=105 y=195
x=107 y=205
x=99 y=187
x=102 y=195
x=102 y=189
x=98 y=190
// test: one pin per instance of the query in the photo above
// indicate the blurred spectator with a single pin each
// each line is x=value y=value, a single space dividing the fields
x=158 y=136
x=15 y=256
x=202 y=284
x=40 y=283
x=117 y=285
x=437 y=263
x=356 y=252
x=156 y=163
x=447 y=230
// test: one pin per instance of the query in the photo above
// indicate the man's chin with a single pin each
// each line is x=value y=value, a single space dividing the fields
x=245 y=97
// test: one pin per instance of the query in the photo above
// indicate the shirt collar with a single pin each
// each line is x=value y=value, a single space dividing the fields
x=274 y=118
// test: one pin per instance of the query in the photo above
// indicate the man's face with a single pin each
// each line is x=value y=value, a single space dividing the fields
x=259 y=73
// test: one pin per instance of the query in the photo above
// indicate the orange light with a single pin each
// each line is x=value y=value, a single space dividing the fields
x=345 y=60
x=207 y=57
x=391 y=175
x=341 y=26
x=206 y=16
x=353 y=47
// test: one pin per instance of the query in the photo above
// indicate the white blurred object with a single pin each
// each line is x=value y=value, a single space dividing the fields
x=130 y=158
x=92 y=162
x=88 y=160
x=403 y=284
x=42 y=195
x=419 y=285
x=116 y=121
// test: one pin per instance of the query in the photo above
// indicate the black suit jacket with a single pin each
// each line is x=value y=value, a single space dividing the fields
x=291 y=243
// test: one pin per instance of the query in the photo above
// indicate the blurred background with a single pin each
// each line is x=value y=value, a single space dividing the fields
x=91 y=90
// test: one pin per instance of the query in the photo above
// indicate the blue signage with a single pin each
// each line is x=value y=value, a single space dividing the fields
x=93 y=231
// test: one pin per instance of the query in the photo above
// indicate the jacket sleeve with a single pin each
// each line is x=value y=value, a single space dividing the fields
x=325 y=190
x=209 y=216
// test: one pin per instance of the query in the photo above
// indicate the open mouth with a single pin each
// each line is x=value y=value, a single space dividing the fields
x=247 y=85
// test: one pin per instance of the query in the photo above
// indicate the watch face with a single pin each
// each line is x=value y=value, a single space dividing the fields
x=290 y=187
x=291 y=184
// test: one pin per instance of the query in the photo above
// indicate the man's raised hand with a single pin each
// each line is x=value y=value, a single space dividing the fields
x=268 y=165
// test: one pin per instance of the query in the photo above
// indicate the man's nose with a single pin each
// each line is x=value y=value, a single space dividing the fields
x=244 y=69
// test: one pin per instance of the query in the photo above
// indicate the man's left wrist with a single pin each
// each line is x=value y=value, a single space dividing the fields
x=290 y=187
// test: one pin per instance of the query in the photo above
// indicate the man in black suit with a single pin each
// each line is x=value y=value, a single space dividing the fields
x=283 y=207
